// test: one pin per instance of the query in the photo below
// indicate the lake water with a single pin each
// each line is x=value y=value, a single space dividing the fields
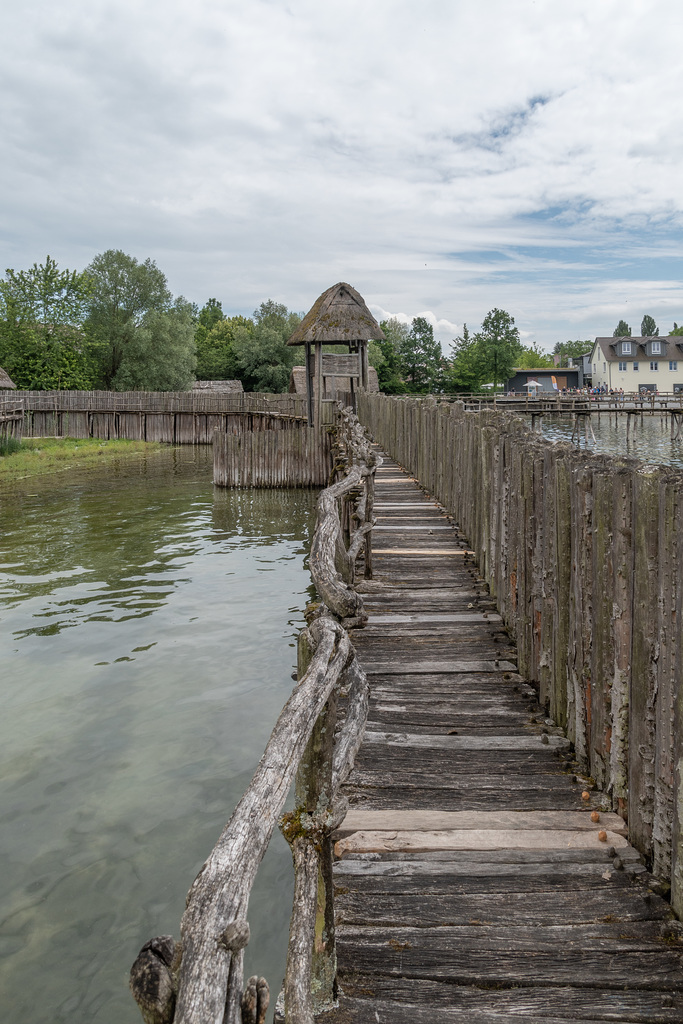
x=148 y=629
x=649 y=439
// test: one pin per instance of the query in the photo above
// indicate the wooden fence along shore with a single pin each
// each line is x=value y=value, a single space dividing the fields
x=584 y=555
x=200 y=978
x=178 y=417
x=11 y=416
x=272 y=458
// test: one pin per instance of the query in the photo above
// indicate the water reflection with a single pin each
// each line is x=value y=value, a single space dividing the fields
x=148 y=627
x=649 y=438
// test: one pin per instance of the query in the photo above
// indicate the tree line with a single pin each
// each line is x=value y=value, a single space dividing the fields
x=117 y=326
x=648 y=329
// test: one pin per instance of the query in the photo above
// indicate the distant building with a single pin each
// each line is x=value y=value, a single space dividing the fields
x=583 y=363
x=549 y=380
x=222 y=387
x=638 y=364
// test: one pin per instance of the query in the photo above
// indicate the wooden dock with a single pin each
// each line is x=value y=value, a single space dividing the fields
x=477 y=877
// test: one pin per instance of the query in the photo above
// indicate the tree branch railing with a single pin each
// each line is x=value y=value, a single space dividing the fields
x=199 y=980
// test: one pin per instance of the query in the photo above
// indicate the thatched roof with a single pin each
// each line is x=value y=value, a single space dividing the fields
x=5 y=381
x=297 y=381
x=339 y=315
x=223 y=387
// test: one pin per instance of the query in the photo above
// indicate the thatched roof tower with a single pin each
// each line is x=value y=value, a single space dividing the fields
x=338 y=316
x=5 y=382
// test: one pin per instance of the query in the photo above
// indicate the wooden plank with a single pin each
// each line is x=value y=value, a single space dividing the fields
x=434 y=954
x=434 y=667
x=412 y=1001
x=536 y=908
x=573 y=821
x=397 y=618
x=646 y=937
x=474 y=839
x=421 y=741
x=531 y=796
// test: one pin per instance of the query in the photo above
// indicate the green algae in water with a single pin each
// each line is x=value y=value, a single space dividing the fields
x=148 y=626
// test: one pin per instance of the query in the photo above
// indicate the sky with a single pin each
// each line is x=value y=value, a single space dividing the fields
x=444 y=157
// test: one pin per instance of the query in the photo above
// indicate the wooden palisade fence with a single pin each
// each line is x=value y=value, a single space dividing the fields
x=272 y=458
x=11 y=416
x=180 y=417
x=199 y=980
x=584 y=555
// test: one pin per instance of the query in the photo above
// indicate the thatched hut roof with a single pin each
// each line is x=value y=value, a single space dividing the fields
x=297 y=381
x=5 y=381
x=339 y=316
x=223 y=387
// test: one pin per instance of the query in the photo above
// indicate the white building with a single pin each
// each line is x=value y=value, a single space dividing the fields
x=638 y=364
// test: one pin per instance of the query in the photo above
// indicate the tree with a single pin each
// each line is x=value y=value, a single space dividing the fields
x=209 y=315
x=571 y=350
x=534 y=358
x=216 y=358
x=677 y=330
x=124 y=293
x=42 y=342
x=421 y=359
x=648 y=327
x=465 y=370
x=262 y=356
x=622 y=330
x=499 y=345
x=160 y=355
x=389 y=370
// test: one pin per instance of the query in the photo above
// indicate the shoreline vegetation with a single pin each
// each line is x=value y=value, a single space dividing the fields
x=46 y=456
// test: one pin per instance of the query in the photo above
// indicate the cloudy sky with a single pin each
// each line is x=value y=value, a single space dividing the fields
x=444 y=157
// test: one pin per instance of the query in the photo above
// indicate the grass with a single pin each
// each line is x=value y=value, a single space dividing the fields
x=42 y=456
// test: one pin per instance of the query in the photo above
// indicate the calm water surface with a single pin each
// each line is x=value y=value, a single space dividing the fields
x=148 y=626
x=650 y=437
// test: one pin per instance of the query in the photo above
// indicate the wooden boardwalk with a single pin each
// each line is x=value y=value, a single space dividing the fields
x=471 y=882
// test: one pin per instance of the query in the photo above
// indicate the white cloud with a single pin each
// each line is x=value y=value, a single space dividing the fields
x=447 y=157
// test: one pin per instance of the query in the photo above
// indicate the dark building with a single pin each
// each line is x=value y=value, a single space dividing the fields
x=564 y=377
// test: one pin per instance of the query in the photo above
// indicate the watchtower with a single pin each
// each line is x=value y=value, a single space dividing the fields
x=338 y=317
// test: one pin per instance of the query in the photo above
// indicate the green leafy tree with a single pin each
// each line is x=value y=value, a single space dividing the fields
x=42 y=342
x=534 y=358
x=678 y=331
x=263 y=358
x=124 y=293
x=421 y=359
x=207 y=318
x=499 y=345
x=216 y=358
x=389 y=370
x=571 y=350
x=465 y=370
x=160 y=355
x=648 y=327
x=622 y=330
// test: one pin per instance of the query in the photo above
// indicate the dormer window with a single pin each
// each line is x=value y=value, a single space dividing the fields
x=626 y=348
x=656 y=348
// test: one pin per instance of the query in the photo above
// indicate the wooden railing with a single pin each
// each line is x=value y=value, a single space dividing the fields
x=199 y=980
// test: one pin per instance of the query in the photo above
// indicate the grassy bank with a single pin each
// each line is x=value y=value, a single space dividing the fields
x=41 y=456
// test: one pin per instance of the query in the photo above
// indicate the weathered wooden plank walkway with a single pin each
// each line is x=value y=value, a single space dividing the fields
x=472 y=883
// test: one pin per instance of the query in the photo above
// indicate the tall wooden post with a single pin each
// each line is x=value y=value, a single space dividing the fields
x=364 y=365
x=310 y=374
x=318 y=385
